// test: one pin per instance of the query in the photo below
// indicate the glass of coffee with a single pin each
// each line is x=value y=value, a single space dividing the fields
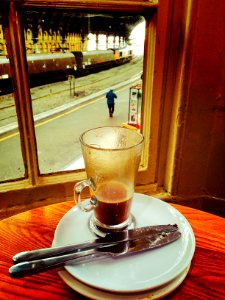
x=111 y=157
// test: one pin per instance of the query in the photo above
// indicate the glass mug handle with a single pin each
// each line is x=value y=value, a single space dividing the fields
x=79 y=186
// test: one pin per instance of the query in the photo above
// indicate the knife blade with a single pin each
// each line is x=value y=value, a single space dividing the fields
x=110 y=238
x=117 y=250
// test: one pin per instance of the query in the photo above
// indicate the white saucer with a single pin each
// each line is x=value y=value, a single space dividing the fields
x=137 y=273
x=96 y=294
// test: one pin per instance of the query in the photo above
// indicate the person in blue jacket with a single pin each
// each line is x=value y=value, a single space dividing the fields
x=110 y=96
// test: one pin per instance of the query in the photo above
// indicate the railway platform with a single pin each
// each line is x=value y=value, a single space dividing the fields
x=62 y=108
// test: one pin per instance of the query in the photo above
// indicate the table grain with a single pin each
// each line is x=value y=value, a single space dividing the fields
x=35 y=229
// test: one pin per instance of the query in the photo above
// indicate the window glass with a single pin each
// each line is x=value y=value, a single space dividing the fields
x=11 y=162
x=74 y=59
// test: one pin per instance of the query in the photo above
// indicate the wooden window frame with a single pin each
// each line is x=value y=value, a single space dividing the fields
x=40 y=189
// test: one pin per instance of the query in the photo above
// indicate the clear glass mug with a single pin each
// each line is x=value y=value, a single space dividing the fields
x=111 y=157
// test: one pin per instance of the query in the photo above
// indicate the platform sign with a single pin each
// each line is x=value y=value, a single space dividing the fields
x=135 y=99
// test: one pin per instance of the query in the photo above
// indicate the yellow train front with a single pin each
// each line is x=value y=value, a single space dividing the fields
x=122 y=55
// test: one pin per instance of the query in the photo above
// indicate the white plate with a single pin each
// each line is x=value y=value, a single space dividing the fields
x=96 y=294
x=136 y=273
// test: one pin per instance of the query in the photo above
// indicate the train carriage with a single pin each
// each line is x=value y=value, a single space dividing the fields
x=49 y=67
x=4 y=68
x=94 y=59
x=56 y=64
x=5 y=78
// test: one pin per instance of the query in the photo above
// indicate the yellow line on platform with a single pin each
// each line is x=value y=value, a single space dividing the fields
x=60 y=116
x=9 y=136
x=53 y=118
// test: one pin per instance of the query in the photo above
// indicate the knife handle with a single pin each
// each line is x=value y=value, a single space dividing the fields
x=55 y=251
x=41 y=265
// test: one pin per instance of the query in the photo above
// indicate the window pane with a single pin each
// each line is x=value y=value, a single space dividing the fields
x=73 y=59
x=11 y=162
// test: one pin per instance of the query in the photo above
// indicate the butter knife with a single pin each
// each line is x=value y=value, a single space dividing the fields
x=117 y=250
x=111 y=238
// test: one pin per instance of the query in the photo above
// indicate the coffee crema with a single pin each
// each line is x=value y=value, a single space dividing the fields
x=114 y=203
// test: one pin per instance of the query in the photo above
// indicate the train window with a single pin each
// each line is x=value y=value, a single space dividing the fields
x=73 y=59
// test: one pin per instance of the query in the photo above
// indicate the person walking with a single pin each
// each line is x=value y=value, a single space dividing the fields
x=110 y=96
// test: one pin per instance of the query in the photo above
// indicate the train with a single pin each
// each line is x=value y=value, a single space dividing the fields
x=51 y=67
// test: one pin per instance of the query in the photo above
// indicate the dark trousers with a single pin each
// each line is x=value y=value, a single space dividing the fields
x=111 y=108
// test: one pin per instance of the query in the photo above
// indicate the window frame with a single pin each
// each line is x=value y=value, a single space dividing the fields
x=40 y=189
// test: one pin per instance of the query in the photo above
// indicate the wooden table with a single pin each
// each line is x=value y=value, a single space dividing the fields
x=35 y=229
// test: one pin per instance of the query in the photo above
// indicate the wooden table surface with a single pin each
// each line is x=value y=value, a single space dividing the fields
x=35 y=229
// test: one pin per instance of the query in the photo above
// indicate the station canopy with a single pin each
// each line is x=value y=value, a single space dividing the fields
x=117 y=24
